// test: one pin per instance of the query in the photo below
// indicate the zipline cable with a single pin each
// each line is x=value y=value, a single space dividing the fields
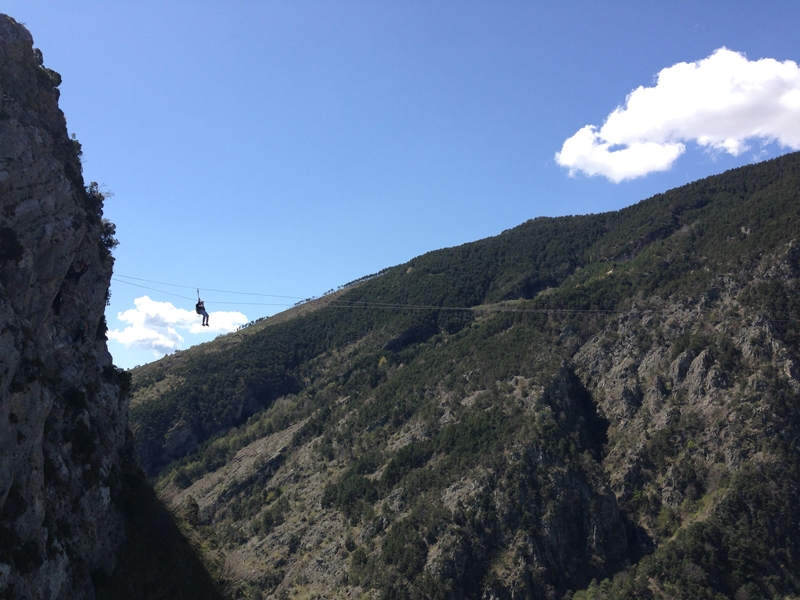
x=387 y=305
x=355 y=304
x=419 y=307
x=191 y=287
x=192 y=299
x=153 y=289
x=416 y=307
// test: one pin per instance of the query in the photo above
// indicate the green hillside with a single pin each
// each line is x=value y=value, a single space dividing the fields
x=602 y=405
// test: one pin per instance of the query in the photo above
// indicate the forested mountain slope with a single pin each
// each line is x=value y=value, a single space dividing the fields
x=607 y=398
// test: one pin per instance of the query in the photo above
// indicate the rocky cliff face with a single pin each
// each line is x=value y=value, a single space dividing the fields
x=63 y=418
x=77 y=518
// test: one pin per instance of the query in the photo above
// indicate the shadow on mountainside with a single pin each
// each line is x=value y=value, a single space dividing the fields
x=156 y=560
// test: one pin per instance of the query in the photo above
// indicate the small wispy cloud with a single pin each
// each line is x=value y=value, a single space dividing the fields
x=720 y=102
x=157 y=326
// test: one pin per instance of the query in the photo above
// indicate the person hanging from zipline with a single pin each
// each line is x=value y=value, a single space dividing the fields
x=200 y=309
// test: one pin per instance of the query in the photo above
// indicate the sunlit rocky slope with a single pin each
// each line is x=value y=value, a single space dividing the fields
x=603 y=406
x=77 y=519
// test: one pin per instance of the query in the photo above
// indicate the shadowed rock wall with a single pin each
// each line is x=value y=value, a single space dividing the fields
x=67 y=472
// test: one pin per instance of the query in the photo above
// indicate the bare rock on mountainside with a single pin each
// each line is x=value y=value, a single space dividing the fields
x=67 y=471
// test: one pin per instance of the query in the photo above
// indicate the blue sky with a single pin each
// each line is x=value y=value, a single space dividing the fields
x=287 y=148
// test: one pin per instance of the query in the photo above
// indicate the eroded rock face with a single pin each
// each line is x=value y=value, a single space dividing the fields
x=63 y=416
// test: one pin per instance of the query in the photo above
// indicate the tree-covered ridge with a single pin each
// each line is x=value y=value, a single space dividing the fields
x=687 y=233
x=528 y=451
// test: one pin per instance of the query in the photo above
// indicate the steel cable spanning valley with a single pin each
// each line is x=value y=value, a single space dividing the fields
x=389 y=305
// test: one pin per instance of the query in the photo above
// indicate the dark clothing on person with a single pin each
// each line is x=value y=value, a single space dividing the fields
x=200 y=309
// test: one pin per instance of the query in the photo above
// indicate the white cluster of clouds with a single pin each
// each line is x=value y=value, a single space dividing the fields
x=719 y=102
x=157 y=325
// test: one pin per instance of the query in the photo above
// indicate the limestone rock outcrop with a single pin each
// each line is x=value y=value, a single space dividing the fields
x=63 y=412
